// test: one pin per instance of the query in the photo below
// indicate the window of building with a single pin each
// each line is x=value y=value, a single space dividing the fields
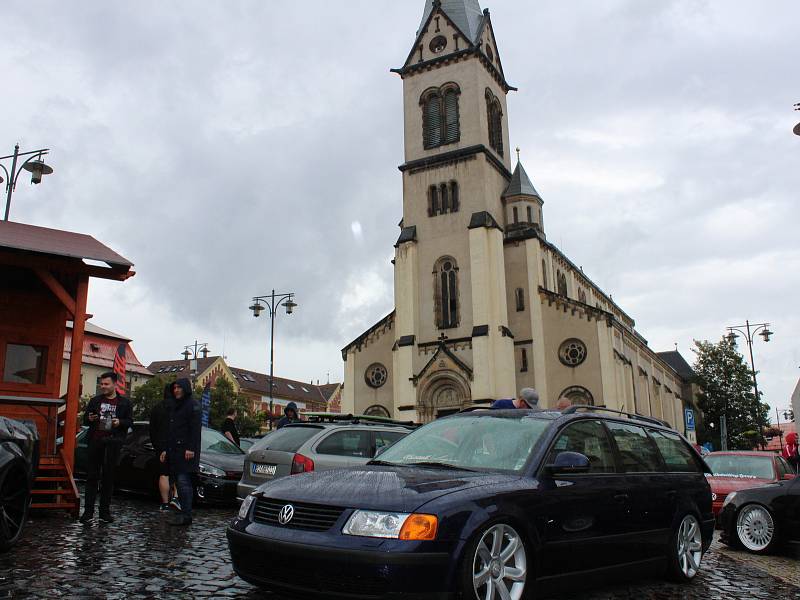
x=582 y=296
x=446 y=293
x=638 y=452
x=530 y=214
x=561 y=282
x=590 y=439
x=443 y=199
x=433 y=201
x=515 y=212
x=544 y=274
x=376 y=375
x=524 y=360
x=454 y=196
x=494 y=117
x=25 y=364
x=440 y=116
x=519 y=294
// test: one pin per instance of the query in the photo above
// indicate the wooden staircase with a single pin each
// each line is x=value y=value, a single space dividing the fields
x=54 y=486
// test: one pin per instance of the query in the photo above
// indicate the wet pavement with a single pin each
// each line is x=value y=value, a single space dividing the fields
x=141 y=556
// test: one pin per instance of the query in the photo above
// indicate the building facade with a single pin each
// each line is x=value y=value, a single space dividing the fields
x=484 y=304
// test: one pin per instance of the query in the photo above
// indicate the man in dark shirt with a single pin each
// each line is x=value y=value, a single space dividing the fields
x=528 y=398
x=109 y=417
x=229 y=427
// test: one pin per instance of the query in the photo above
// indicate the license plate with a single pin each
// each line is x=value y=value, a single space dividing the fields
x=263 y=470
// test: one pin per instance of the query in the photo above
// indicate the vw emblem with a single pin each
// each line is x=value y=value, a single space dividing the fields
x=285 y=515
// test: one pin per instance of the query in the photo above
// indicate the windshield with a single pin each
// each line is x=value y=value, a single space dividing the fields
x=482 y=443
x=214 y=441
x=743 y=467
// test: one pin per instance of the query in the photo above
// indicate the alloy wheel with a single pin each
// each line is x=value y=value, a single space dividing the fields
x=499 y=566
x=755 y=527
x=690 y=546
x=13 y=504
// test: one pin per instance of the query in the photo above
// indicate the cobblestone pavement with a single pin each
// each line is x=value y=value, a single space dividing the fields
x=141 y=556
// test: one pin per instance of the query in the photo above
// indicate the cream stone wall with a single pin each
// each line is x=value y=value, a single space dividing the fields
x=358 y=395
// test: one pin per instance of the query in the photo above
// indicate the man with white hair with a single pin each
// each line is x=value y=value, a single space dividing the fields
x=528 y=398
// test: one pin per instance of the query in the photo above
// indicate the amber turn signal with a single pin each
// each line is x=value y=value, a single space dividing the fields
x=419 y=527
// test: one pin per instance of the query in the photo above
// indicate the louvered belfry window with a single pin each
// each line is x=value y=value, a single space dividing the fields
x=494 y=117
x=441 y=123
x=446 y=293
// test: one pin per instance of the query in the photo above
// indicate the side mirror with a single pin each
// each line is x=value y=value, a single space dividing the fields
x=569 y=463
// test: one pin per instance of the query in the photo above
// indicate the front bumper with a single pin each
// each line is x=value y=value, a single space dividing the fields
x=216 y=490
x=339 y=572
x=243 y=490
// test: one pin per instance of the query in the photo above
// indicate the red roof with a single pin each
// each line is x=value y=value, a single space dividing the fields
x=774 y=443
x=99 y=348
x=30 y=238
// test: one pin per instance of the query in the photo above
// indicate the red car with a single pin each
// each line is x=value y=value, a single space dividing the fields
x=733 y=471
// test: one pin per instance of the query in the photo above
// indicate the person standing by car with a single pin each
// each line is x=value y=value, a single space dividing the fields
x=790 y=451
x=182 y=452
x=528 y=398
x=229 y=429
x=159 y=428
x=108 y=416
x=290 y=415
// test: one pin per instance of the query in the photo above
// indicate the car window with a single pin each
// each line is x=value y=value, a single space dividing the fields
x=636 y=449
x=287 y=439
x=214 y=441
x=784 y=467
x=741 y=466
x=678 y=457
x=386 y=438
x=356 y=443
x=590 y=439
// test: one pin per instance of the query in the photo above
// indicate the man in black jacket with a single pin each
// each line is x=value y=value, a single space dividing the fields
x=109 y=416
x=182 y=453
x=159 y=424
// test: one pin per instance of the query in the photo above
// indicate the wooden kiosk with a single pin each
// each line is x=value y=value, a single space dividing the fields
x=44 y=282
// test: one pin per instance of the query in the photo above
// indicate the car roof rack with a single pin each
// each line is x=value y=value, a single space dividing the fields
x=314 y=417
x=476 y=407
x=573 y=409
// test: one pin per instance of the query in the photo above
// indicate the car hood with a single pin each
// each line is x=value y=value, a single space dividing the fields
x=726 y=485
x=230 y=463
x=400 y=489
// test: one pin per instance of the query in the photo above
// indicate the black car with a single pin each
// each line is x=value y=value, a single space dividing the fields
x=760 y=519
x=221 y=464
x=486 y=503
x=19 y=458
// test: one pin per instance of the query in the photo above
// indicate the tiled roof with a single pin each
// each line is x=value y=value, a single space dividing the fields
x=520 y=184
x=99 y=348
x=466 y=14
x=675 y=360
x=179 y=367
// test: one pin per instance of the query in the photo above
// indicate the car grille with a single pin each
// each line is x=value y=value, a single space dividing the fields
x=310 y=517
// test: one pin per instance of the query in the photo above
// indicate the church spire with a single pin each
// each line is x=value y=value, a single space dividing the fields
x=520 y=184
x=466 y=14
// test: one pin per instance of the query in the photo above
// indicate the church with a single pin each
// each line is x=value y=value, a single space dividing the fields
x=484 y=304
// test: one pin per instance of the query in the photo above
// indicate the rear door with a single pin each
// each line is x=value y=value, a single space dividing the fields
x=583 y=519
x=343 y=447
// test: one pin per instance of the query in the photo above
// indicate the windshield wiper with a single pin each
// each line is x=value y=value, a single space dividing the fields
x=383 y=463
x=441 y=465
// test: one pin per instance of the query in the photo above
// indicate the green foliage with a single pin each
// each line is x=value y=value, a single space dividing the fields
x=726 y=388
x=146 y=396
x=223 y=397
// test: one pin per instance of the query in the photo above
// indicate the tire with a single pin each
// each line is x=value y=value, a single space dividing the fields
x=14 y=504
x=685 y=550
x=496 y=556
x=755 y=529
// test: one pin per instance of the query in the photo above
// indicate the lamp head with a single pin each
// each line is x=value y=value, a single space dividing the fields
x=256 y=308
x=765 y=334
x=186 y=354
x=732 y=338
x=38 y=168
x=290 y=306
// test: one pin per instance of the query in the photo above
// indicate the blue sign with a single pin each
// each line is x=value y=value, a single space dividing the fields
x=689 y=414
x=205 y=404
x=709 y=446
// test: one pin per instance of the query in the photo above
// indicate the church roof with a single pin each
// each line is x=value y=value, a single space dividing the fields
x=675 y=360
x=466 y=14
x=520 y=184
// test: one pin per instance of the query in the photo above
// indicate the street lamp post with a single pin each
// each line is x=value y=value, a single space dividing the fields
x=749 y=331
x=193 y=351
x=33 y=164
x=271 y=304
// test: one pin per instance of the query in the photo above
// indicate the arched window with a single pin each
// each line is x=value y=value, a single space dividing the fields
x=544 y=274
x=453 y=196
x=524 y=366
x=443 y=199
x=446 y=292
x=515 y=212
x=530 y=214
x=494 y=116
x=433 y=201
x=440 y=116
x=445 y=202
x=561 y=282
x=581 y=296
x=519 y=294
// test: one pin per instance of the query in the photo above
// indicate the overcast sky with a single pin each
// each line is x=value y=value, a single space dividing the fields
x=227 y=148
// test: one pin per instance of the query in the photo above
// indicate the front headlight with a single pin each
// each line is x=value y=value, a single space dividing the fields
x=728 y=499
x=402 y=526
x=211 y=471
x=244 y=509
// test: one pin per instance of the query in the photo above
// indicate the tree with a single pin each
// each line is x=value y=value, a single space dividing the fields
x=146 y=396
x=726 y=388
x=223 y=398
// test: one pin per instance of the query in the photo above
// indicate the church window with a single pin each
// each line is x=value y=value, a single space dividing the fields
x=433 y=201
x=438 y=44
x=578 y=395
x=519 y=294
x=376 y=375
x=561 y=282
x=446 y=293
x=494 y=115
x=544 y=274
x=582 y=296
x=443 y=199
x=572 y=352
x=524 y=357
x=453 y=196
x=515 y=212
x=530 y=214
x=440 y=116
x=489 y=53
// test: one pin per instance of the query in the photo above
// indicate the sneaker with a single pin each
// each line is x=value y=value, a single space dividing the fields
x=164 y=507
x=174 y=504
x=86 y=517
x=181 y=521
x=106 y=517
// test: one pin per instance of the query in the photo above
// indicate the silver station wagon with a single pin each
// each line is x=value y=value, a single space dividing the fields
x=321 y=443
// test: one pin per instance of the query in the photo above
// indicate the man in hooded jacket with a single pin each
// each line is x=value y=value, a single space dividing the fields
x=790 y=451
x=182 y=452
x=290 y=415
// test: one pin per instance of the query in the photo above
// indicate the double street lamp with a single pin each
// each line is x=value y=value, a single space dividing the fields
x=749 y=331
x=271 y=304
x=33 y=164
x=191 y=353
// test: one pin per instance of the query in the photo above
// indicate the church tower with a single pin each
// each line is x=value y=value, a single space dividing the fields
x=453 y=345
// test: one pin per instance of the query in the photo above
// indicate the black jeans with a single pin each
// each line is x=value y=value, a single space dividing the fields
x=185 y=484
x=103 y=454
